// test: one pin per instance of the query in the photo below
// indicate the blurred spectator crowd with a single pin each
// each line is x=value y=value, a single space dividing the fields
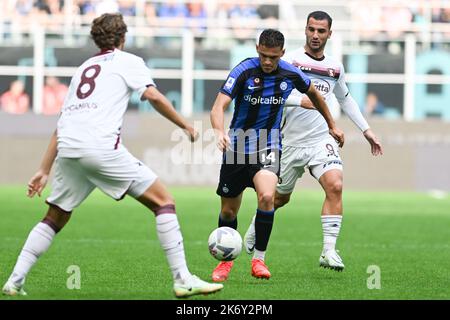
x=371 y=18
x=170 y=13
x=16 y=101
x=219 y=24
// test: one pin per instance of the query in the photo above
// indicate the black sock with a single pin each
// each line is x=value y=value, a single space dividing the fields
x=263 y=228
x=227 y=223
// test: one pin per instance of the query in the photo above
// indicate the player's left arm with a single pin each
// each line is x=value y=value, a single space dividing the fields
x=166 y=109
x=351 y=109
x=138 y=77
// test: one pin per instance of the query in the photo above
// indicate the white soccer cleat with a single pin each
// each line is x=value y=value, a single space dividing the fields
x=250 y=237
x=194 y=285
x=331 y=259
x=10 y=289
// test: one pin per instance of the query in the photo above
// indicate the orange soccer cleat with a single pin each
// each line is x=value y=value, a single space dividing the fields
x=221 y=272
x=259 y=269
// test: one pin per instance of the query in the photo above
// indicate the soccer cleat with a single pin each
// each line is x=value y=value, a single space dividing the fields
x=259 y=269
x=250 y=237
x=330 y=259
x=10 y=289
x=194 y=285
x=221 y=272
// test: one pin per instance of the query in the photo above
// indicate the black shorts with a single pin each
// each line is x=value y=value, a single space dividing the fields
x=237 y=170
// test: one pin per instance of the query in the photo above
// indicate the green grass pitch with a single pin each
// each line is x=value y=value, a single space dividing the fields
x=116 y=248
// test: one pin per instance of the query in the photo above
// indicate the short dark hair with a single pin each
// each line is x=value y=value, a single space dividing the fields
x=108 y=30
x=271 y=38
x=320 y=15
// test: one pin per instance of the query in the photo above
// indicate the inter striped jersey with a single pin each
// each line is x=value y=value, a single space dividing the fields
x=259 y=99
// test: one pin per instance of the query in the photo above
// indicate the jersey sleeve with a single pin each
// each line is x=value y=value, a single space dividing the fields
x=341 y=89
x=234 y=82
x=348 y=104
x=301 y=81
x=137 y=75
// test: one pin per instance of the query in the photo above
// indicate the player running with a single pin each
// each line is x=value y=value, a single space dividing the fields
x=88 y=154
x=260 y=87
x=306 y=142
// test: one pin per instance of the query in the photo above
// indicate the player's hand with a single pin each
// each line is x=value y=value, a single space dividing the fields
x=191 y=133
x=306 y=103
x=338 y=135
x=222 y=141
x=375 y=144
x=37 y=183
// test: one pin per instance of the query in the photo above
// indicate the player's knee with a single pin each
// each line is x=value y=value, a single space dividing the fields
x=229 y=213
x=335 y=187
x=266 y=199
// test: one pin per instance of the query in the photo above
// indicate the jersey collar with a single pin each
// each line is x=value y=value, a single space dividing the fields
x=314 y=58
x=104 y=51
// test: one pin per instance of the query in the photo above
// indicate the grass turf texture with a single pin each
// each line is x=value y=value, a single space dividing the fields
x=116 y=247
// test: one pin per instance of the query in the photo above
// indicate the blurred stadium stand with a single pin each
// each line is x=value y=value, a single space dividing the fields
x=395 y=50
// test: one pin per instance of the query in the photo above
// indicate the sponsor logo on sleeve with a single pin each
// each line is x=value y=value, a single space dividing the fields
x=230 y=82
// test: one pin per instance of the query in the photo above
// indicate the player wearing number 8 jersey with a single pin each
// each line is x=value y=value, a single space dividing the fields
x=252 y=146
x=88 y=154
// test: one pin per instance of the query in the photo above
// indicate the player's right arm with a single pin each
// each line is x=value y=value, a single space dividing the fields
x=165 y=108
x=321 y=106
x=217 y=118
x=227 y=93
x=138 y=77
x=38 y=182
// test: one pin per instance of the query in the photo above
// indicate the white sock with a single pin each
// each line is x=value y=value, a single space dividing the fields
x=331 y=225
x=259 y=255
x=171 y=240
x=38 y=241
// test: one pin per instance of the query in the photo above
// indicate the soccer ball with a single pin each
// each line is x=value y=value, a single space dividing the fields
x=225 y=244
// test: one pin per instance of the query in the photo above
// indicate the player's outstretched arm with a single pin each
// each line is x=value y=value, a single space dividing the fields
x=38 y=182
x=351 y=109
x=165 y=108
x=217 y=117
x=318 y=101
x=375 y=144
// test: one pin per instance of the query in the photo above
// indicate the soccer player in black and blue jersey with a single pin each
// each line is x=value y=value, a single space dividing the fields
x=252 y=147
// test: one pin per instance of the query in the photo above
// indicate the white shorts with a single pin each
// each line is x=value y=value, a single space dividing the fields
x=322 y=157
x=116 y=173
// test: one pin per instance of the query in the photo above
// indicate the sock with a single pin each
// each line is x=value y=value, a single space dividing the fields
x=227 y=223
x=38 y=241
x=259 y=255
x=171 y=240
x=263 y=228
x=331 y=224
